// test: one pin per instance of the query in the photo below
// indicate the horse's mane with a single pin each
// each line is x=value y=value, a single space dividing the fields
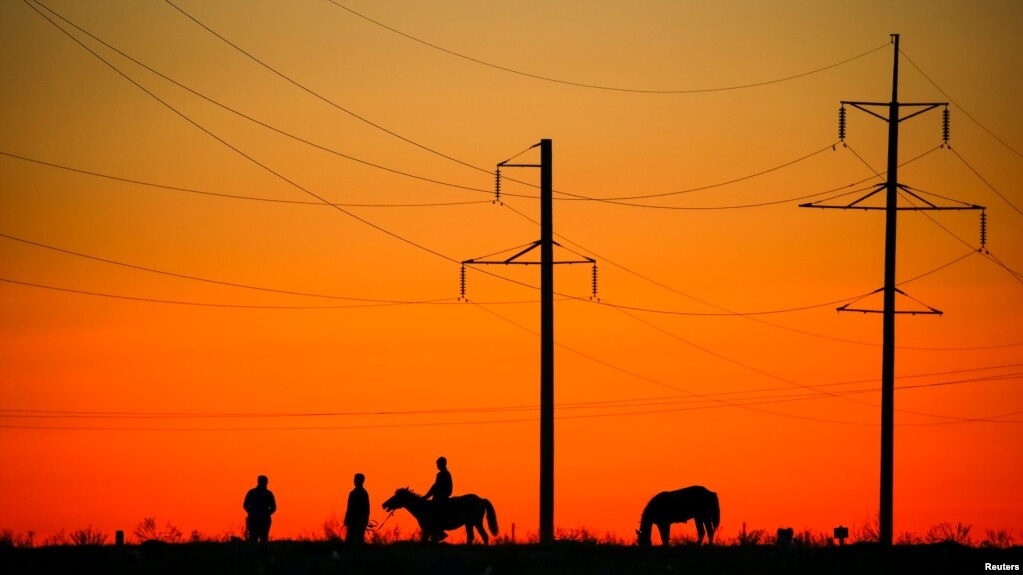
x=652 y=506
x=408 y=490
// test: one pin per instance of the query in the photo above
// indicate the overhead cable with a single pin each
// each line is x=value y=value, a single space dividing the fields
x=597 y=86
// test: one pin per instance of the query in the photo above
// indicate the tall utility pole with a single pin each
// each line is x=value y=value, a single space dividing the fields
x=546 y=344
x=891 y=208
x=546 y=245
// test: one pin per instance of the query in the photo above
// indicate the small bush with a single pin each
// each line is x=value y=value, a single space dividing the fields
x=333 y=528
x=1001 y=539
x=945 y=532
x=392 y=535
x=754 y=537
x=809 y=538
x=8 y=538
x=907 y=538
x=869 y=532
x=147 y=530
x=87 y=536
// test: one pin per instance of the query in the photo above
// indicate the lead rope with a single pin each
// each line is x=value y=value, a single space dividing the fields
x=372 y=526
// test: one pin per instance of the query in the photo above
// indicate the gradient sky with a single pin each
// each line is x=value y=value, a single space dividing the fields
x=142 y=375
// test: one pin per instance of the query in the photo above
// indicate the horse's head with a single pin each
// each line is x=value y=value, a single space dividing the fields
x=399 y=500
x=643 y=534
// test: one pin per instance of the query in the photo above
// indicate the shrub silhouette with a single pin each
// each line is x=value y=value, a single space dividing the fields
x=87 y=536
x=945 y=532
x=1001 y=539
x=8 y=538
x=333 y=529
x=147 y=530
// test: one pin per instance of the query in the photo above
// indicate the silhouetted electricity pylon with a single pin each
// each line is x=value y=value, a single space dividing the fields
x=546 y=245
x=891 y=209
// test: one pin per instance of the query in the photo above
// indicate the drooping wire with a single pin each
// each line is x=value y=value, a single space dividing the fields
x=986 y=182
x=368 y=304
x=961 y=109
x=313 y=93
x=264 y=166
x=597 y=86
x=191 y=277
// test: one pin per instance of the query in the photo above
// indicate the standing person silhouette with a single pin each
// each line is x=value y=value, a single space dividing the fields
x=439 y=494
x=260 y=505
x=357 y=513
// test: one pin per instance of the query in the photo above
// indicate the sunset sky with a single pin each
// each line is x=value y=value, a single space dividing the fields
x=231 y=235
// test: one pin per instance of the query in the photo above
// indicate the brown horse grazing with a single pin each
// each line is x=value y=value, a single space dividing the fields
x=680 y=506
x=436 y=517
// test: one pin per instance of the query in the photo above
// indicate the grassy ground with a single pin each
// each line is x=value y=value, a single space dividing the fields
x=324 y=557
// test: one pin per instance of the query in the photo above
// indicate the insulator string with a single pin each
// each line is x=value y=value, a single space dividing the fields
x=983 y=231
x=841 y=124
x=497 y=186
x=944 y=127
x=594 y=295
x=461 y=282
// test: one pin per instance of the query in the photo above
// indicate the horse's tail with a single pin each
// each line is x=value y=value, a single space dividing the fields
x=488 y=509
x=715 y=515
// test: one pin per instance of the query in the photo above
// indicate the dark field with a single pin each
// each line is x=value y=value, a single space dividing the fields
x=567 y=557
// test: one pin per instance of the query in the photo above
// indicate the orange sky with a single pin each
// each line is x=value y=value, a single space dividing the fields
x=170 y=402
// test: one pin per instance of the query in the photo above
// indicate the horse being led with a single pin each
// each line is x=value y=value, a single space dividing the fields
x=436 y=517
x=680 y=506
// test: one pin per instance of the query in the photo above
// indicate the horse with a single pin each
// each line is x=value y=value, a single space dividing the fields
x=679 y=506
x=436 y=517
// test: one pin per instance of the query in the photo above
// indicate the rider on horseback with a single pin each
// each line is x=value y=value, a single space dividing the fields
x=441 y=491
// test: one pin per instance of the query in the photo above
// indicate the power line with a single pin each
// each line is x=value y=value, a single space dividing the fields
x=725 y=311
x=395 y=134
x=220 y=305
x=985 y=180
x=720 y=402
x=753 y=394
x=324 y=99
x=247 y=156
x=241 y=197
x=321 y=147
x=255 y=120
x=597 y=86
x=648 y=408
x=728 y=312
x=796 y=384
x=957 y=105
x=984 y=252
x=207 y=280
x=747 y=205
x=238 y=150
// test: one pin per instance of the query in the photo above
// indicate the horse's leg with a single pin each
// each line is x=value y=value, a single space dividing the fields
x=468 y=534
x=664 y=529
x=699 y=531
x=710 y=532
x=483 y=531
